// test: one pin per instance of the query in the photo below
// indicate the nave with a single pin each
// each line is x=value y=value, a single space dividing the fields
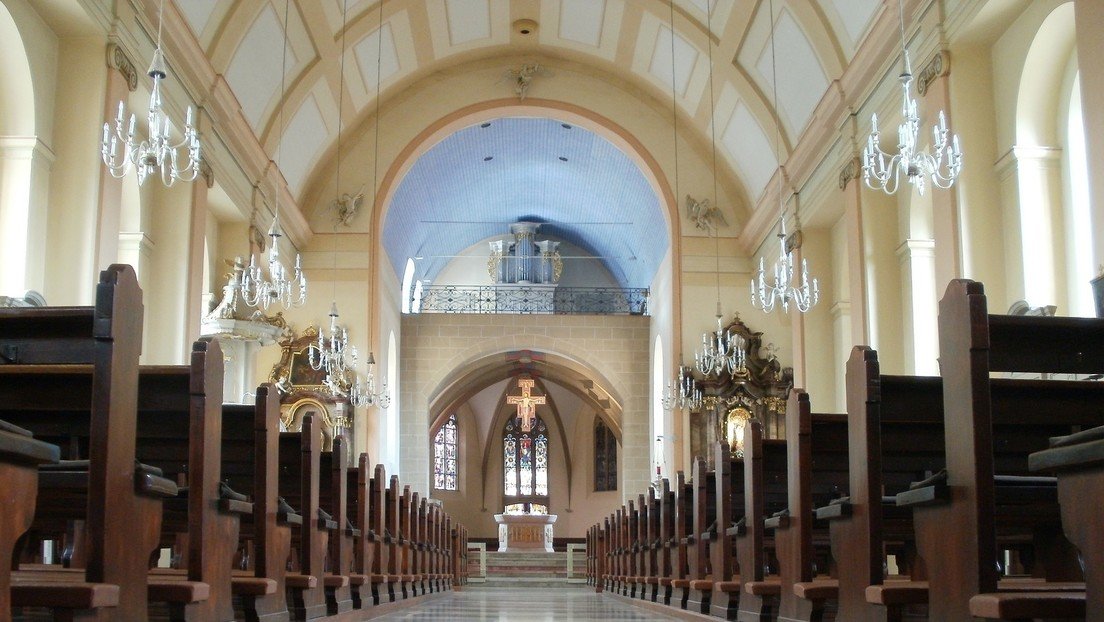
x=536 y=605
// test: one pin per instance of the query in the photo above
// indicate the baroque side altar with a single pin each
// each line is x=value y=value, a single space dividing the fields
x=525 y=532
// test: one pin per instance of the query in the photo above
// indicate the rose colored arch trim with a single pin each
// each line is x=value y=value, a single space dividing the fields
x=543 y=108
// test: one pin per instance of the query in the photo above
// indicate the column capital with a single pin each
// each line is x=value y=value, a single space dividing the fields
x=848 y=173
x=937 y=67
x=118 y=60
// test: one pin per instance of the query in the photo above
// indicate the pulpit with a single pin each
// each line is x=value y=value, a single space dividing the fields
x=525 y=532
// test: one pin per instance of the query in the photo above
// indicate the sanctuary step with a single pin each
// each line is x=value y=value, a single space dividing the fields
x=526 y=569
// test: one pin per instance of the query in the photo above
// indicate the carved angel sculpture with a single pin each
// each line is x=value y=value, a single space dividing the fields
x=705 y=216
x=522 y=76
x=347 y=205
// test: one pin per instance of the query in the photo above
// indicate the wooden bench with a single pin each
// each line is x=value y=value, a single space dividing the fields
x=816 y=450
x=20 y=457
x=333 y=500
x=300 y=470
x=251 y=447
x=698 y=541
x=765 y=496
x=991 y=426
x=895 y=437
x=728 y=480
x=1078 y=459
x=107 y=337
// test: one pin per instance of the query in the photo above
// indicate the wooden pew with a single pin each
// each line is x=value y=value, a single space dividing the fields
x=684 y=527
x=251 y=434
x=728 y=479
x=383 y=588
x=300 y=455
x=764 y=494
x=816 y=450
x=895 y=437
x=333 y=499
x=1078 y=459
x=992 y=425
x=108 y=337
x=397 y=585
x=361 y=544
x=20 y=456
x=606 y=561
x=705 y=502
x=180 y=432
x=666 y=546
x=651 y=549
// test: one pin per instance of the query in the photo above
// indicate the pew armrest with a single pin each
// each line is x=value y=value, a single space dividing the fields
x=834 y=511
x=933 y=494
x=327 y=524
x=1068 y=457
x=781 y=520
x=24 y=449
x=148 y=484
x=288 y=518
x=233 y=506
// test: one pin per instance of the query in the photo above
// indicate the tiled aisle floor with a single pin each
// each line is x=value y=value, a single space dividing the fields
x=528 y=605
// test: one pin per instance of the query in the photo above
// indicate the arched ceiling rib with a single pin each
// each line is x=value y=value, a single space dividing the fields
x=244 y=41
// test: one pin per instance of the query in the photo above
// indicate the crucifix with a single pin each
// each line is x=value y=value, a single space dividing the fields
x=526 y=403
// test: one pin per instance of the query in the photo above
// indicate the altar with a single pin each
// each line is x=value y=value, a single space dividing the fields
x=525 y=532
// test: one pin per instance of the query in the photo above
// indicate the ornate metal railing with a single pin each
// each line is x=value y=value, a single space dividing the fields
x=533 y=299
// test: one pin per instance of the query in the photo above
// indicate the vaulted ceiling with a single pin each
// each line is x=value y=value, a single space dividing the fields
x=630 y=39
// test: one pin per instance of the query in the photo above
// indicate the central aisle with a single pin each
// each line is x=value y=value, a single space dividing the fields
x=529 y=604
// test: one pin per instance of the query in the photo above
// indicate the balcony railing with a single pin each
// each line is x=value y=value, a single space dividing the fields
x=525 y=299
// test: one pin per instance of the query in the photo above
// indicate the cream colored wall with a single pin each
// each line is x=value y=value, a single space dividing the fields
x=479 y=495
x=614 y=348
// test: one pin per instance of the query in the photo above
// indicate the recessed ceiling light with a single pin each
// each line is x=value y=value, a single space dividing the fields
x=485 y=125
x=488 y=158
x=525 y=26
x=563 y=159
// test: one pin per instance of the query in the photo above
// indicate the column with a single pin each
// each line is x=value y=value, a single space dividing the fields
x=1032 y=192
x=197 y=235
x=24 y=170
x=850 y=183
x=1089 y=16
x=122 y=79
x=917 y=260
x=933 y=86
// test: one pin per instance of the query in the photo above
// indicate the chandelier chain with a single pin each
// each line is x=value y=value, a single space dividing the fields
x=781 y=292
x=121 y=151
x=882 y=171
x=257 y=289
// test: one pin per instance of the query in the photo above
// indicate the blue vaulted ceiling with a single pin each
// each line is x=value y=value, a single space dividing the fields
x=585 y=190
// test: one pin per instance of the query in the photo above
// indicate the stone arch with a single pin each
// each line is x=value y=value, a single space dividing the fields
x=17 y=95
x=1041 y=78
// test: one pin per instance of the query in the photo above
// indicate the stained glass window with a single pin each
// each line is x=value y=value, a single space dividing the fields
x=605 y=457
x=445 y=456
x=525 y=463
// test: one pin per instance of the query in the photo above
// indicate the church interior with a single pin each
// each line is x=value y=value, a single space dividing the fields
x=638 y=309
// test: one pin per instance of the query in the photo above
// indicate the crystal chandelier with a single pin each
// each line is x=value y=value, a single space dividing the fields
x=364 y=391
x=682 y=393
x=781 y=291
x=121 y=150
x=258 y=290
x=766 y=295
x=261 y=291
x=721 y=352
x=942 y=166
x=333 y=354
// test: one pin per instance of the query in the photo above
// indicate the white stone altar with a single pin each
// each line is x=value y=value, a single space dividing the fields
x=525 y=532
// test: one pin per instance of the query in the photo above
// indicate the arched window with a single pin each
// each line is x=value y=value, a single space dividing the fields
x=525 y=466
x=605 y=457
x=445 y=455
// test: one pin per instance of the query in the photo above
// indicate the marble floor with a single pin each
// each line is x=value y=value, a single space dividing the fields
x=532 y=604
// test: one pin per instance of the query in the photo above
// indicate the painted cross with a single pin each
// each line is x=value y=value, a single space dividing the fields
x=526 y=403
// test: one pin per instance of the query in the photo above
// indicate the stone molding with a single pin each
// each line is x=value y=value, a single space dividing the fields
x=118 y=60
